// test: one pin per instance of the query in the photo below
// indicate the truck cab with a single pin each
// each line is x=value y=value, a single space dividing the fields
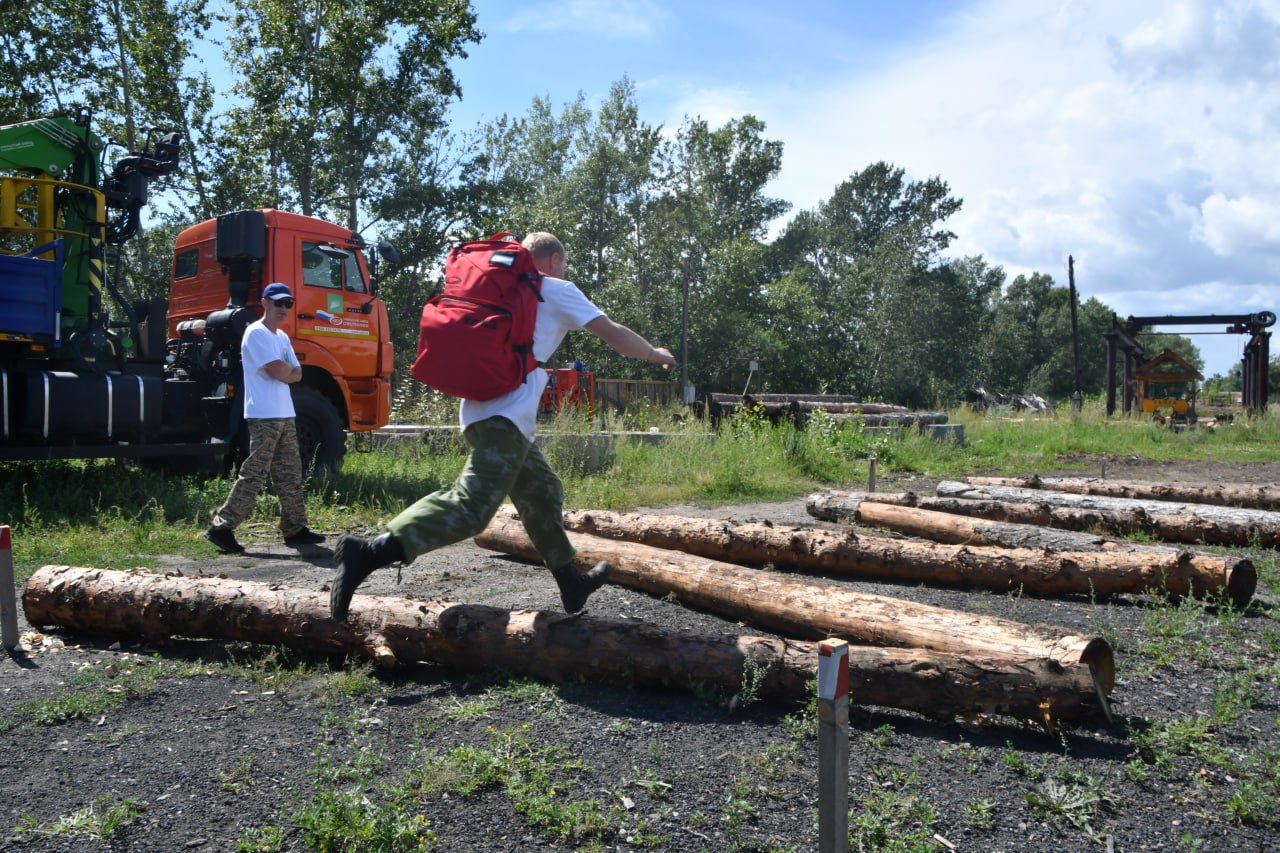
x=338 y=325
x=85 y=373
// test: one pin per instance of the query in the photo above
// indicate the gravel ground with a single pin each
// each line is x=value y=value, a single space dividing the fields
x=232 y=747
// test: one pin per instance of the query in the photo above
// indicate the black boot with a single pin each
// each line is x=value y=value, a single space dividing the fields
x=575 y=589
x=357 y=558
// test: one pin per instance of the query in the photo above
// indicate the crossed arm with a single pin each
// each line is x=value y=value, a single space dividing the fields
x=283 y=371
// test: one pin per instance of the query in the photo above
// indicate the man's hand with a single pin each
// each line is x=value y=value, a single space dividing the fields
x=663 y=356
x=283 y=371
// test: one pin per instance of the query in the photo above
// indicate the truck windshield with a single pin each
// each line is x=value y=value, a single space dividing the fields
x=323 y=269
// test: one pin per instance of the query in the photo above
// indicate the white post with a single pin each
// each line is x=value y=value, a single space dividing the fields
x=833 y=746
x=8 y=596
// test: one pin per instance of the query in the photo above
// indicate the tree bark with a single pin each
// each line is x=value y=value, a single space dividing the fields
x=543 y=645
x=805 y=609
x=916 y=419
x=1034 y=570
x=1029 y=525
x=811 y=405
x=1219 y=494
x=952 y=520
x=1172 y=522
x=718 y=397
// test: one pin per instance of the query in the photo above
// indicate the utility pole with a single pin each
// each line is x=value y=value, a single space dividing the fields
x=684 y=333
x=1077 y=399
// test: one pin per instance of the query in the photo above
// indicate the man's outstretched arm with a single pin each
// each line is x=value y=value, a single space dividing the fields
x=630 y=343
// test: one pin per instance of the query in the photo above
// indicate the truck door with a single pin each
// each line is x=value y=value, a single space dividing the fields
x=331 y=311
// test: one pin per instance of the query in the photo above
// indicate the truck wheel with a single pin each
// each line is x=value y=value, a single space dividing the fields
x=321 y=438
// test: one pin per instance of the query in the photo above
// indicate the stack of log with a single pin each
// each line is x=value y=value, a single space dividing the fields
x=797 y=408
x=978 y=513
x=942 y=662
x=930 y=660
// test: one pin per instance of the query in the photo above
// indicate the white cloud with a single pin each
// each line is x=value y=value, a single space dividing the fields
x=1233 y=226
x=1193 y=38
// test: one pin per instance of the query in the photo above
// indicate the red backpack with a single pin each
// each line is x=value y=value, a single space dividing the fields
x=476 y=338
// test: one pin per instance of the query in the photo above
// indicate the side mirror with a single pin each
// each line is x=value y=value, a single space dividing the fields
x=388 y=252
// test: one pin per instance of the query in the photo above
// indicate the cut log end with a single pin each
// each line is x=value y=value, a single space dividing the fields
x=1101 y=660
x=1242 y=582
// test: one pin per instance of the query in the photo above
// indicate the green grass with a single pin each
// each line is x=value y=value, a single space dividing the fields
x=116 y=514
x=892 y=816
x=91 y=692
x=99 y=820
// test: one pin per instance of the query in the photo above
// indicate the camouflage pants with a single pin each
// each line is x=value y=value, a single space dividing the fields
x=502 y=462
x=273 y=447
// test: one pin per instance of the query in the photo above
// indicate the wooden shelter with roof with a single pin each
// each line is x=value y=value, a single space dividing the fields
x=1167 y=382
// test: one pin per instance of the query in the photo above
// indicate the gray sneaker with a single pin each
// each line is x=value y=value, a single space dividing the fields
x=224 y=540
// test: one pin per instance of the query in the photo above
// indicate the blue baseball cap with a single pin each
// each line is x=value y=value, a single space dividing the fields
x=275 y=291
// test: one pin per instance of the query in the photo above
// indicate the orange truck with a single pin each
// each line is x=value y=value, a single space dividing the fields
x=86 y=373
x=339 y=326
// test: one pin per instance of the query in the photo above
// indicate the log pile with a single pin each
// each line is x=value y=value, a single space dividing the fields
x=1221 y=494
x=981 y=512
x=1032 y=567
x=777 y=407
x=805 y=608
x=1001 y=534
x=1190 y=523
x=797 y=408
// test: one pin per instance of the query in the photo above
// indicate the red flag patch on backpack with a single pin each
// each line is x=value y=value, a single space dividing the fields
x=476 y=338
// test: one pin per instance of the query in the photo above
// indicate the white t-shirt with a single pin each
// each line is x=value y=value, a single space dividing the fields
x=564 y=309
x=265 y=397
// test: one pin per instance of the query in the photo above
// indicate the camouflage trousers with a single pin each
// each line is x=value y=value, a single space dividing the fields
x=502 y=462
x=273 y=448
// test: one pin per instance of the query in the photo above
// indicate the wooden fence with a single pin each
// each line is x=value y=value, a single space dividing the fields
x=617 y=393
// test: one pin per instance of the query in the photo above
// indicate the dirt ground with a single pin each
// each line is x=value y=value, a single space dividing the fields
x=217 y=758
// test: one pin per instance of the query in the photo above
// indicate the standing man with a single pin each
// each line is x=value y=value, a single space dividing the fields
x=504 y=460
x=270 y=367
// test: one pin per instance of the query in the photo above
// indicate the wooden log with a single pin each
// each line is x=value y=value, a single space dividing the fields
x=1219 y=494
x=1116 y=566
x=1034 y=570
x=805 y=609
x=774 y=409
x=543 y=645
x=768 y=397
x=835 y=408
x=952 y=520
x=904 y=419
x=1167 y=520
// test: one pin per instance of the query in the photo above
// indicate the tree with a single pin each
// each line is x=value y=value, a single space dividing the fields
x=333 y=93
x=123 y=61
x=704 y=233
x=869 y=256
x=1234 y=380
x=1026 y=341
x=48 y=53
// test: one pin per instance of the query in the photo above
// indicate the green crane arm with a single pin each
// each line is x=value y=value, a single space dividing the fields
x=61 y=148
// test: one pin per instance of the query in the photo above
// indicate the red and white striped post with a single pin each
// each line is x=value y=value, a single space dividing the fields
x=833 y=746
x=8 y=596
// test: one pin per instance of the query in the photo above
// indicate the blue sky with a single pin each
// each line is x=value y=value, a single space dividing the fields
x=1140 y=137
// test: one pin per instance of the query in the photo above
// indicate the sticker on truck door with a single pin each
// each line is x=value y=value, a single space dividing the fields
x=334 y=322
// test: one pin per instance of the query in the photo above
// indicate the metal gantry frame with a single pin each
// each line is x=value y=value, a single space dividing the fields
x=1257 y=352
